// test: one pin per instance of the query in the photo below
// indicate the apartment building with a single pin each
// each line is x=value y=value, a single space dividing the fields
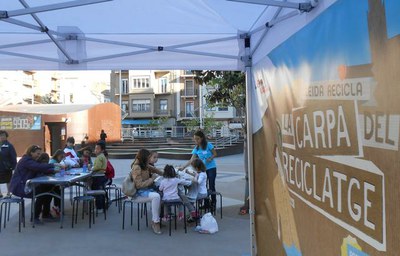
x=145 y=95
x=173 y=95
x=28 y=87
x=51 y=87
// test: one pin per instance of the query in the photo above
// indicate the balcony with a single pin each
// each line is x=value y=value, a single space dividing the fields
x=189 y=115
x=161 y=112
x=189 y=93
x=169 y=90
x=188 y=73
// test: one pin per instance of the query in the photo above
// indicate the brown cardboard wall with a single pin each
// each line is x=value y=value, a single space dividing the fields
x=327 y=157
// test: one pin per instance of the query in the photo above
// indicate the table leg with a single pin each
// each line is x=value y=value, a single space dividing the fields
x=62 y=206
x=33 y=205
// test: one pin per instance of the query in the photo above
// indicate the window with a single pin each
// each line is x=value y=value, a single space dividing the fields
x=189 y=109
x=125 y=106
x=189 y=87
x=163 y=85
x=222 y=108
x=125 y=86
x=141 y=105
x=163 y=105
x=141 y=82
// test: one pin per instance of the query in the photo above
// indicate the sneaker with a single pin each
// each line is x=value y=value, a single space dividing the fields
x=37 y=221
x=156 y=228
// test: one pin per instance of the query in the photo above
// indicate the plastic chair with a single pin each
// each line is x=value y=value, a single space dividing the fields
x=220 y=200
x=175 y=204
x=77 y=199
x=117 y=195
x=141 y=202
x=5 y=204
x=95 y=193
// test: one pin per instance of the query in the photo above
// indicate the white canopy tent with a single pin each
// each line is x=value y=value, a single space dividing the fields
x=162 y=34
x=151 y=34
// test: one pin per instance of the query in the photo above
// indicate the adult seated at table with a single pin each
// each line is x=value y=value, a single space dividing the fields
x=98 y=172
x=28 y=168
x=143 y=176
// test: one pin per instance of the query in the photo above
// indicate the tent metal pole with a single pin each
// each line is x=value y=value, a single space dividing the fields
x=267 y=28
x=275 y=21
x=25 y=43
x=113 y=56
x=203 y=42
x=30 y=56
x=105 y=41
x=45 y=29
x=284 y=17
x=225 y=56
x=250 y=159
x=120 y=89
x=22 y=24
x=52 y=7
x=304 y=6
x=31 y=26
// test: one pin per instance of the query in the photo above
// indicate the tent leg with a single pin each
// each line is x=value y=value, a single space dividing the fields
x=249 y=124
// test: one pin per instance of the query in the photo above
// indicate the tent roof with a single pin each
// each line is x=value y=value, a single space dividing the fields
x=125 y=34
x=47 y=109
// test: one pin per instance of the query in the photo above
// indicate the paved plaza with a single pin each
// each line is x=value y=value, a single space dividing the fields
x=106 y=237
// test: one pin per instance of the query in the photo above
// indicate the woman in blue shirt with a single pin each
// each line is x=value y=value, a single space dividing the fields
x=205 y=151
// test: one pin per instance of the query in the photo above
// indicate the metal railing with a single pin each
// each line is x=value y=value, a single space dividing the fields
x=191 y=114
x=221 y=137
x=189 y=93
x=163 y=112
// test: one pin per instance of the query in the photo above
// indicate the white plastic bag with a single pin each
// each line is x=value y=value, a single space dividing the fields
x=208 y=224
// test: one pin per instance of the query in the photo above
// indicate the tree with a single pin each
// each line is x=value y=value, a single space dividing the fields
x=48 y=99
x=229 y=91
x=191 y=124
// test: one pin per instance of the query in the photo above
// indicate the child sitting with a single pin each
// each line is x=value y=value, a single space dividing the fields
x=198 y=189
x=153 y=158
x=58 y=157
x=85 y=158
x=169 y=187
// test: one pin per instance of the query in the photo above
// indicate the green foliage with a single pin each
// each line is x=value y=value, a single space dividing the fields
x=48 y=99
x=229 y=89
x=153 y=123
x=191 y=124
x=158 y=122
x=210 y=123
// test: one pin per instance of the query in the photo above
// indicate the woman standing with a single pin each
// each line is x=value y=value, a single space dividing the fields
x=142 y=175
x=205 y=151
x=27 y=168
x=8 y=160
